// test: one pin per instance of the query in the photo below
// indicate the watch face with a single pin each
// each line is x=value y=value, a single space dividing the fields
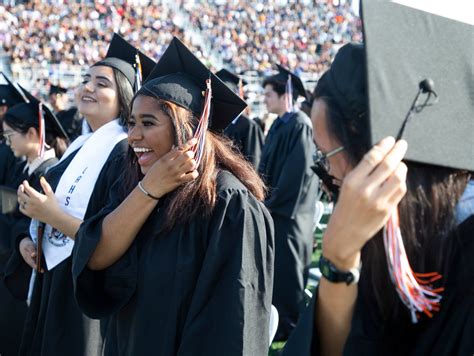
x=332 y=274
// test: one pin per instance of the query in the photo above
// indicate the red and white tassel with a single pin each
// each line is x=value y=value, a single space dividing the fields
x=414 y=289
x=203 y=124
x=41 y=130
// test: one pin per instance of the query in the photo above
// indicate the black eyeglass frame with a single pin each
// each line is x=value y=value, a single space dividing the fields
x=321 y=169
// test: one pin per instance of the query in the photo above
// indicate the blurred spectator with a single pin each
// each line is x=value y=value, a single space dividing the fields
x=78 y=33
x=251 y=35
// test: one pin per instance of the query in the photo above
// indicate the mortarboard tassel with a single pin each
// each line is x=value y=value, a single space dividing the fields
x=414 y=289
x=241 y=89
x=203 y=124
x=289 y=95
x=138 y=73
x=42 y=130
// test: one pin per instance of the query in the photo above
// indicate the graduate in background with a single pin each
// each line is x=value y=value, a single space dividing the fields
x=184 y=263
x=55 y=325
x=69 y=118
x=22 y=131
x=245 y=132
x=371 y=91
x=292 y=190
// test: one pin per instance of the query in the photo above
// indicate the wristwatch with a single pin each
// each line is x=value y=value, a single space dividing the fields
x=335 y=275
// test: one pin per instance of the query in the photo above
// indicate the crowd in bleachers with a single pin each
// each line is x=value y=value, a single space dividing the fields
x=250 y=36
x=79 y=33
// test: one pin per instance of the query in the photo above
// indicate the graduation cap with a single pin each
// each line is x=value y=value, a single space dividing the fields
x=8 y=199
x=284 y=76
x=419 y=58
x=10 y=94
x=127 y=59
x=232 y=80
x=56 y=90
x=180 y=77
x=34 y=111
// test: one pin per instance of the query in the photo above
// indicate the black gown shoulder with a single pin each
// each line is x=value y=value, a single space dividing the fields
x=71 y=121
x=285 y=166
x=203 y=288
x=249 y=138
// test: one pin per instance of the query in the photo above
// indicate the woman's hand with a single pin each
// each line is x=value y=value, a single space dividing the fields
x=28 y=252
x=36 y=205
x=369 y=194
x=172 y=170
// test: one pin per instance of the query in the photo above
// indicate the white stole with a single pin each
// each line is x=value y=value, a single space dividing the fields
x=76 y=186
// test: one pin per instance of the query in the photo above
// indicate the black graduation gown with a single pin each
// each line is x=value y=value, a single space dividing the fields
x=55 y=325
x=248 y=136
x=286 y=167
x=71 y=121
x=203 y=288
x=449 y=332
x=14 y=310
x=10 y=167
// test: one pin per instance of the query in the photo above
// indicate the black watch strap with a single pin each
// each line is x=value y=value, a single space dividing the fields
x=335 y=275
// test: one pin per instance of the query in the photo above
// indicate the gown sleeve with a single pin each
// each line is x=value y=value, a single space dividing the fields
x=294 y=175
x=232 y=297
x=101 y=293
x=17 y=272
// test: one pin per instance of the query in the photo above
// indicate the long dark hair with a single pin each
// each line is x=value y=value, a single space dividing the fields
x=22 y=124
x=125 y=95
x=198 y=198
x=426 y=212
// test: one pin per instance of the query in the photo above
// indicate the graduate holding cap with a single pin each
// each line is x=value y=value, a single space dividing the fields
x=246 y=133
x=55 y=325
x=285 y=166
x=397 y=265
x=182 y=258
x=23 y=127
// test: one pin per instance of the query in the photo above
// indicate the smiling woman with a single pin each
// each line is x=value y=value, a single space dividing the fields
x=68 y=190
x=181 y=257
x=150 y=131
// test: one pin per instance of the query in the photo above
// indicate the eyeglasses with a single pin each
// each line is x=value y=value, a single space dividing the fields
x=321 y=168
x=7 y=135
x=321 y=159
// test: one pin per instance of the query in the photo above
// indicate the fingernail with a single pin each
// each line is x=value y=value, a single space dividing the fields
x=402 y=144
x=389 y=140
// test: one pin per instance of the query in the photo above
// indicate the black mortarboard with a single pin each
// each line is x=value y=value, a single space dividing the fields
x=230 y=79
x=121 y=55
x=411 y=52
x=56 y=89
x=180 y=77
x=345 y=81
x=282 y=77
x=10 y=94
x=29 y=111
